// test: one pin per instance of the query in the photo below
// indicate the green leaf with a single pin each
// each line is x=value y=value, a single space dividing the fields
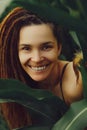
x=83 y=43
x=84 y=79
x=35 y=128
x=40 y=103
x=75 y=118
x=75 y=38
x=56 y=15
x=3 y=124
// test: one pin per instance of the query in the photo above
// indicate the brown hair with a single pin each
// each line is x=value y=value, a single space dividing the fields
x=10 y=28
x=10 y=66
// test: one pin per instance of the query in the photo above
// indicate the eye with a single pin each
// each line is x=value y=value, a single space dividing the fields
x=47 y=47
x=26 y=48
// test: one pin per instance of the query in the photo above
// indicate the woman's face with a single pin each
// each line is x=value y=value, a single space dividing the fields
x=38 y=51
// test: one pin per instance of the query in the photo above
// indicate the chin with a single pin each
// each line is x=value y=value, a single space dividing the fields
x=38 y=79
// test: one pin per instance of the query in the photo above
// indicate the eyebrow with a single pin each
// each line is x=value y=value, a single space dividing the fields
x=42 y=44
x=24 y=44
x=49 y=42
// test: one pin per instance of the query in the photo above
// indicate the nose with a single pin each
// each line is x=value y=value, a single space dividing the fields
x=36 y=56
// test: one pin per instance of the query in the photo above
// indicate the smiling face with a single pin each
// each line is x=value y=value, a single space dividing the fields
x=38 y=51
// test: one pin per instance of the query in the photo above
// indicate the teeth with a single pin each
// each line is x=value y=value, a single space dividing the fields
x=38 y=68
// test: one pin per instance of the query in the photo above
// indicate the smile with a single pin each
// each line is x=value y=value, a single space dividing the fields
x=38 y=68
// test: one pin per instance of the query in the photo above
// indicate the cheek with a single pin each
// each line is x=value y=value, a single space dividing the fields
x=52 y=56
x=23 y=58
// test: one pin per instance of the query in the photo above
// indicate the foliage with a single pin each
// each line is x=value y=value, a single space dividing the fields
x=50 y=109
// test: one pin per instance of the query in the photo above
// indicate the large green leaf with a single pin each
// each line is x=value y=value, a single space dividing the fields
x=75 y=118
x=57 y=15
x=3 y=124
x=75 y=38
x=39 y=102
x=84 y=79
x=83 y=43
x=35 y=128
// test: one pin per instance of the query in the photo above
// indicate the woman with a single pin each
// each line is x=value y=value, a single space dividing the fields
x=29 y=51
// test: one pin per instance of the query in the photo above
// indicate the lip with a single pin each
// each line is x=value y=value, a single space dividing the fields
x=39 y=68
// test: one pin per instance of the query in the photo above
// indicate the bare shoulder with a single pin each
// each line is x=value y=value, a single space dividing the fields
x=72 y=86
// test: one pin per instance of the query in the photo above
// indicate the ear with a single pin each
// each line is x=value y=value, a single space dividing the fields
x=59 y=48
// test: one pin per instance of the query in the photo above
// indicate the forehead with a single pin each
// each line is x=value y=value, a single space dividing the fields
x=36 y=33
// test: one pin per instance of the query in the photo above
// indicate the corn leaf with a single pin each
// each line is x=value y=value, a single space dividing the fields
x=75 y=118
x=40 y=103
x=51 y=13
